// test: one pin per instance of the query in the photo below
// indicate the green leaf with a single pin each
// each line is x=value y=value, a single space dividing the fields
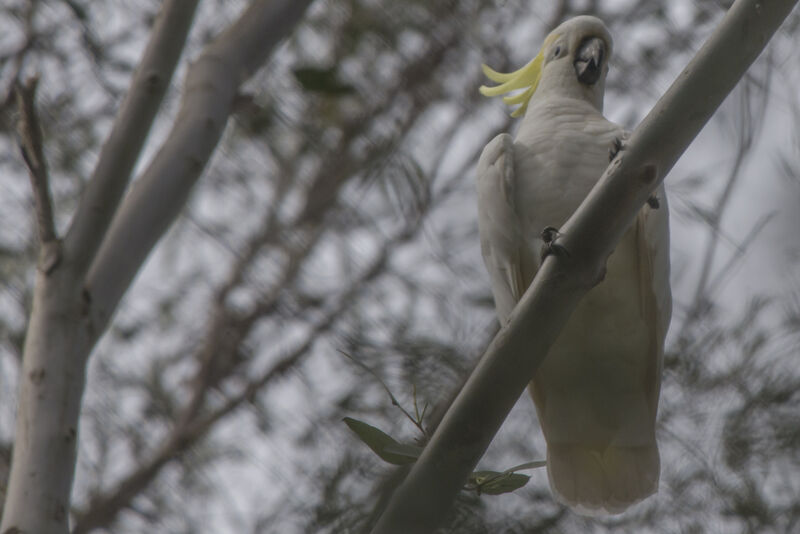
x=496 y=483
x=382 y=444
x=321 y=80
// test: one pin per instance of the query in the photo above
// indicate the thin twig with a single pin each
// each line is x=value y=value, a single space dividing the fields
x=30 y=144
x=417 y=422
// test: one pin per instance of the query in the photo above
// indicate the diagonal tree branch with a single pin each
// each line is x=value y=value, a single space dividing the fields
x=426 y=495
x=30 y=143
x=131 y=127
x=161 y=192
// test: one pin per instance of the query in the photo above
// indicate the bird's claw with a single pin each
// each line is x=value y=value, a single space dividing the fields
x=617 y=145
x=550 y=235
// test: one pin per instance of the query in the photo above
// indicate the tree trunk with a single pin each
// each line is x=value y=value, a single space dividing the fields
x=50 y=390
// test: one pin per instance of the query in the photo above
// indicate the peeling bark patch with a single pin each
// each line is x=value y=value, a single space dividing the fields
x=37 y=376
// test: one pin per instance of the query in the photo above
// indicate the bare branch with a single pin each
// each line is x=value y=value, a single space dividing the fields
x=30 y=143
x=131 y=127
x=161 y=192
x=590 y=235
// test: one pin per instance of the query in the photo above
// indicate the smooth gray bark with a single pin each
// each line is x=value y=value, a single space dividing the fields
x=70 y=308
x=158 y=196
x=121 y=150
x=424 y=498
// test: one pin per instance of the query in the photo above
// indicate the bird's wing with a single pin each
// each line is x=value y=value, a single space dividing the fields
x=652 y=226
x=509 y=259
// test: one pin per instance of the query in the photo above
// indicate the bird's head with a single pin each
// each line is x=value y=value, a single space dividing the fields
x=573 y=61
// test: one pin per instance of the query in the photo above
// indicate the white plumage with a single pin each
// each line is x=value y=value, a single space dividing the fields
x=597 y=391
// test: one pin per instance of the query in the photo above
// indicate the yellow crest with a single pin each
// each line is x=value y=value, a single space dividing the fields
x=525 y=78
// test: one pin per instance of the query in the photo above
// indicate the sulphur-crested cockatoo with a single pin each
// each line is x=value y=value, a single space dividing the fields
x=596 y=392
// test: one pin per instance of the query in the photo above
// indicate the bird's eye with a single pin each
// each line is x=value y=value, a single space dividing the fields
x=557 y=51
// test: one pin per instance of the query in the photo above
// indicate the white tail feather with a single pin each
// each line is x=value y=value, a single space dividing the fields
x=594 y=482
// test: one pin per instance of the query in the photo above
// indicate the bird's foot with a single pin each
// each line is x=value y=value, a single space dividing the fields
x=617 y=145
x=550 y=235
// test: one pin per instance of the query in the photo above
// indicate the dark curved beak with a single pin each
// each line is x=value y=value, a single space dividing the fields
x=589 y=60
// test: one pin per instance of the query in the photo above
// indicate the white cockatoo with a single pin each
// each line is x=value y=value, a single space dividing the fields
x=596 y=392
